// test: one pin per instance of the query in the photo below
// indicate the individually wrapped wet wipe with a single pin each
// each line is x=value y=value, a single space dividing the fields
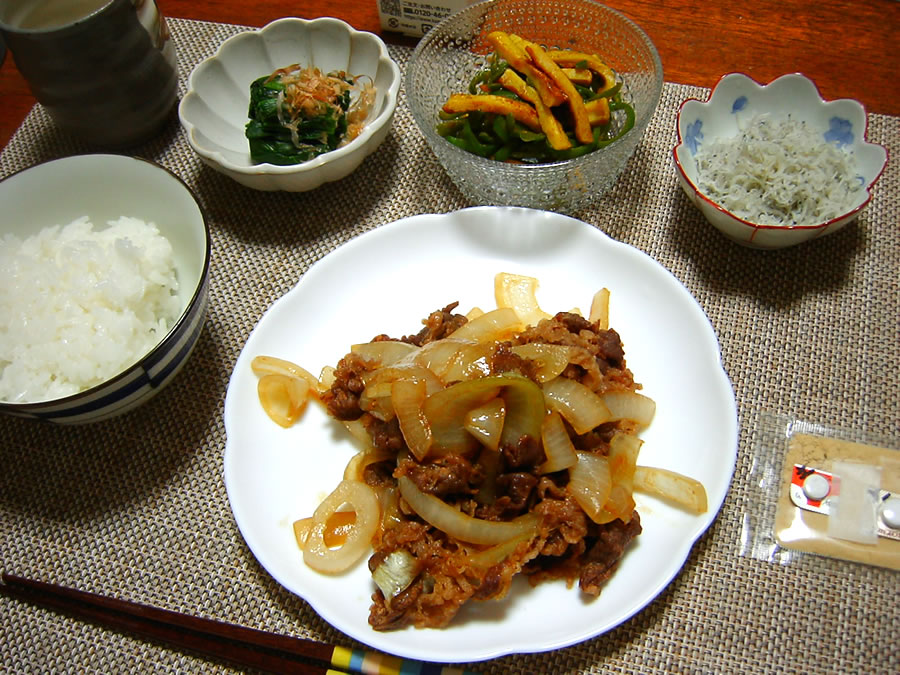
x=824 y=491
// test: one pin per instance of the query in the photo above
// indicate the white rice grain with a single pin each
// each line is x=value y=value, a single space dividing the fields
x=80 y=305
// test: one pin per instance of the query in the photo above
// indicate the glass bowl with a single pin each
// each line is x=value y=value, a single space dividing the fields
x=449 y=55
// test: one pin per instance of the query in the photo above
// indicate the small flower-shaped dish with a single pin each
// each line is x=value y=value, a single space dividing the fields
x=735 y=100
x=214 y=111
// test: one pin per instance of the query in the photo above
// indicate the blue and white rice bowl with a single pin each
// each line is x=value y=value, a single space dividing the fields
x=104 y=188
x=734 y=102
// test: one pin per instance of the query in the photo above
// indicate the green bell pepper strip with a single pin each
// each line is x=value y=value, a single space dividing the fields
x=500 y=128
x=503 y=153
x=449 y=128
x=473 y=144
x=626 y=127
x=613 y=92
x=488 y=75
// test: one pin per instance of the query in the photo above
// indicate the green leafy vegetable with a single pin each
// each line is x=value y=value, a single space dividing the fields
x=298 y=113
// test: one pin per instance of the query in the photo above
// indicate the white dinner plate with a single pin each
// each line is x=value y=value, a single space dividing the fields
x=387 y=281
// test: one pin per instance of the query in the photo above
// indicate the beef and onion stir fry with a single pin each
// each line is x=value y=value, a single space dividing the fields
x=493 y=444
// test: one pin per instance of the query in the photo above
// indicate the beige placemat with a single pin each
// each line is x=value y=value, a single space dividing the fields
x=136 y=507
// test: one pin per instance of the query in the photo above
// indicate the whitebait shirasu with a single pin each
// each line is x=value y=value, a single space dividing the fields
x=778 y=172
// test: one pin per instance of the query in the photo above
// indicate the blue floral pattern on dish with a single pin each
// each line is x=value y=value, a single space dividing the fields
x=840 y=131
x=694 y=135
x=739 y=104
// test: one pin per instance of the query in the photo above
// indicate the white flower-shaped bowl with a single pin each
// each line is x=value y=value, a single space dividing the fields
x=214 y=110
x=735 y=100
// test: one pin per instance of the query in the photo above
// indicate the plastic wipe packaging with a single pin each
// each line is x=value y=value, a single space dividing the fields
x=823 y=491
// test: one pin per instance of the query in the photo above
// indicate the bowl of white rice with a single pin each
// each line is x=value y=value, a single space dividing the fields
x=104 y=263
x=776 y=165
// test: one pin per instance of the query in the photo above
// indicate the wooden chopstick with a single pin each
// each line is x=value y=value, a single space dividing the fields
x=240 y=645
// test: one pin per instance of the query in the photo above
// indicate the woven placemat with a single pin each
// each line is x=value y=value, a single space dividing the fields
x=136 y=507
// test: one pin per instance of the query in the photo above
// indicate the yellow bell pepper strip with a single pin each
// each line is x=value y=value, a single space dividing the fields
x=566 y=58
x=583 y=131
x=514 y=54
x=556 y=135
x=598 y=111
x=490 y=103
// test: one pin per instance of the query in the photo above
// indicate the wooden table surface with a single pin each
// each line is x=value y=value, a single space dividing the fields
x=848 y=48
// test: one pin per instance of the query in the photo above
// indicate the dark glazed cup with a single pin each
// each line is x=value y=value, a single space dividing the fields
x=104 y=69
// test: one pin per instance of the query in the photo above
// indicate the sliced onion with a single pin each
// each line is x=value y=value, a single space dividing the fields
x=360 y=498
x=383 y=352
x=377 y=389
x=437 y=356
x=403 y=371
x=498 y=553
x=446 y=411
x=590 y=484
x=599 y=314
x=550 y=360
x=519 y=293
x=408 y=397
x=581 y=407
x=485 y=422
x=283 y=397
x=337 y=527
x=474 y=313
x=461 y=526
x=557 y=444
x=391 y=515
x=301 y=531
x=682 y=490
x=498 y=324
x=469 y=362
x=619 y=505
x=357 y=465
x=629 y=405
x=271 y=365
x=623 y=454
x=525 y=408
x=376 y=399
x=358 y=431
x=395 y=573
x=326 y=378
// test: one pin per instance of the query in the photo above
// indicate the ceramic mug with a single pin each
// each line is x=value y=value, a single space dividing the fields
x=104 y=69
